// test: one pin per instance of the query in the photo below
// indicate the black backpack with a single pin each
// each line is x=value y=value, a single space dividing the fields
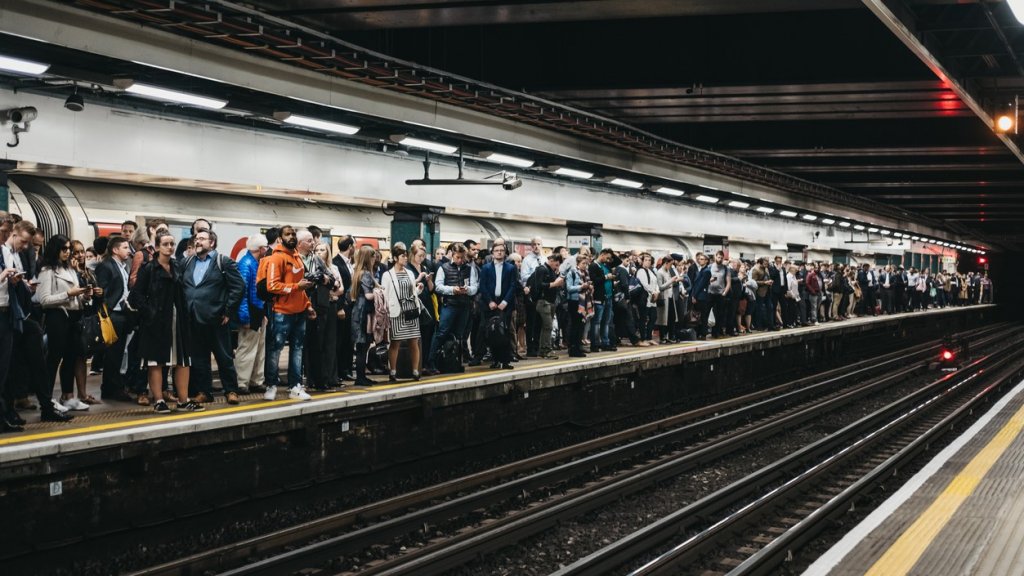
x=496 y=333
x=448 y=356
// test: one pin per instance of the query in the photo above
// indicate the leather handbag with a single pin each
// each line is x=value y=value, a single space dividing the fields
x=98 y=331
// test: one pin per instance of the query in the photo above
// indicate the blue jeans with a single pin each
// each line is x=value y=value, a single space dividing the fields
x=454 y=320
x=600 y=325
x=290 y=329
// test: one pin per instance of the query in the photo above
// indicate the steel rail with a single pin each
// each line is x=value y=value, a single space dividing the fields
x=841 y=447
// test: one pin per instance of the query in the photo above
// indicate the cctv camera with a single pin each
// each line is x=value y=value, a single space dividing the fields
x=23 y=115
x=511 y=182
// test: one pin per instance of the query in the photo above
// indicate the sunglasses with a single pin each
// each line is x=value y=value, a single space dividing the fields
x=65 y=248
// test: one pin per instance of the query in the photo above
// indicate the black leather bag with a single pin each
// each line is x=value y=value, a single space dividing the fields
x=426 y=317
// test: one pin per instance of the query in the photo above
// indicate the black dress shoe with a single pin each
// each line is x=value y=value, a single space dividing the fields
x=6 y=426
x=365 y=382
x=349 y=377
x=13 y=419
x=54 y=416
x=475 y=362
x=494 y=366
x=506 y=366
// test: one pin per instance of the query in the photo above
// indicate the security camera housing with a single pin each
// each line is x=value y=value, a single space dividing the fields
x=22 y=115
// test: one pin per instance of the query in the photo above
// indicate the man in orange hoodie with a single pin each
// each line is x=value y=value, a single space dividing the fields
x=286 y=281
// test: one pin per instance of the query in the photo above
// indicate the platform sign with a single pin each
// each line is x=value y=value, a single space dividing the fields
x=577 y=242
x=949 y=263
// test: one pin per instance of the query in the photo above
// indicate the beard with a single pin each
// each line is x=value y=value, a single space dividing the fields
x=291 y=244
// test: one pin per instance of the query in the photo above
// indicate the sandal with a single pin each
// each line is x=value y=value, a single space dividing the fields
x=88 y=399
x=143 y=400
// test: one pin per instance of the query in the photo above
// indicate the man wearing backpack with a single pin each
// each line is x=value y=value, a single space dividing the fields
x=545 y=282
x=213 y=291
x=497 y=298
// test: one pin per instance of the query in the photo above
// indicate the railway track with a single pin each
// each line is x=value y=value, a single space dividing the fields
x=755 y=524
x=535 y=493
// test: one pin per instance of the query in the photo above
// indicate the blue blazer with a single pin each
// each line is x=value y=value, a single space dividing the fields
x=701 y=283
x=488 y=277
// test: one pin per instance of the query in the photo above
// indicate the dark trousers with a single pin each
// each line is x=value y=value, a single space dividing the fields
x=887 y=299
x=64 y=346
x=321 y=344
x=6 y=347
x=764 y=314
x=361 y=351
x=704 y=307
x=454 y=320
x=113 y=381
x=717 y=303
x=625 y=324
x=426 y=341
x=344 y=348
x=648 y=318
x=562 y=315
x=574 y=337
x=31 y=367
x=532 y=328
x=210 y=339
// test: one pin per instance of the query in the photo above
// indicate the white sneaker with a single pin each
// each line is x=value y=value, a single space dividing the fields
x=271 y=393
x=75 y=404
x=59 y=407
x=297 y=393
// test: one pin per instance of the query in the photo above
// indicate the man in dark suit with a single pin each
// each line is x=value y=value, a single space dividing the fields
x=498 y=280
x=112 y=277
x=779 y=287
x=868 y=285
x=213 y=291
x=345 y=348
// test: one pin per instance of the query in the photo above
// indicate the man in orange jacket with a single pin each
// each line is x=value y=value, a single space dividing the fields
x=286 y=281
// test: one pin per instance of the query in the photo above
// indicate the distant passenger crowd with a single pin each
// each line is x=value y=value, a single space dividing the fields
x=150 y=310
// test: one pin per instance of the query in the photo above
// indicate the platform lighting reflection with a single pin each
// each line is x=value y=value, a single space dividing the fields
x=175 y=96
x=765 y=210
x=506 y=159
x=573 y=173
x=809 y=217
x=626 y=183
x=22 y=66
x=707 y=199
x=738 y=204
x=668 y=191
x=315 y=124
x=858 y=227
x=844 y=224
x=424 y=144
x=788 y=214
x=828 y=221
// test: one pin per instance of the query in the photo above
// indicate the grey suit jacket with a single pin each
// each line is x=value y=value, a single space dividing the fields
x=218 y=292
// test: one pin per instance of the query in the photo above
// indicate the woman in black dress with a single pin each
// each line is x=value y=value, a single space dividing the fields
x=163 y=329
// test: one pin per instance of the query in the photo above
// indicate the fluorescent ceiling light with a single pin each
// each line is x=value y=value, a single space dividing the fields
x=574 y=173
x=1017 y=7
x=765 y=209
x=625 y=183
x=809 y=217
x=827 y=221
x=884 y=232
x=668 y=191
x=738 y=204
x=898 y=234
x=844 y=224
x=982 y=252
x=424 y=144
x=915 y=237
x=708 y=199
x=872 y=229
x=315 y=124
x=506 y=159
x=788 y=214
x=709 y=187
x=22 y=66
x=858 y=227
x=175 y=96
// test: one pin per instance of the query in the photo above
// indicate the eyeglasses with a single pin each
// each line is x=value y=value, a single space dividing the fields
x=65 y=248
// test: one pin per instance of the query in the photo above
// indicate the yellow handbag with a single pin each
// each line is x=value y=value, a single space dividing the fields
x=107 y=326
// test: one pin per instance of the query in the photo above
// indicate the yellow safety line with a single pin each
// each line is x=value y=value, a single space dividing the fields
x=908 y=549
x=265 y=404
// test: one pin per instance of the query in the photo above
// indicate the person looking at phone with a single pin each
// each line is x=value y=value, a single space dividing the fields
x=11 y=286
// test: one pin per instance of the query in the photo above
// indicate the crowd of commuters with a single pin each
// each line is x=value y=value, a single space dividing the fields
x=175 y=304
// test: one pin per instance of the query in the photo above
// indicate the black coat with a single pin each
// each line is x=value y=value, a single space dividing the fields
x=156 y=295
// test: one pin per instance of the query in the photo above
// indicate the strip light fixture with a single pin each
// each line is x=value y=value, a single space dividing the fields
x=872 y=229
x=765 y=210
x=625 y=183
x=21 y=66
x=828 y=221
x=573 y=173
x=668 y=191
x=858 y=227
x=788 y=214
x=884 y=232
x=167 y=95
x=707 y=199
x=424 y=144
x=506 y=159
x=739 y=204
x=809 y=217
x=844 y=224
x=315 y=123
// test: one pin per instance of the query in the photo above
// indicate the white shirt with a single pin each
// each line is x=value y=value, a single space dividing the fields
x=497 y=276
x=530 y=264
x=122 y=267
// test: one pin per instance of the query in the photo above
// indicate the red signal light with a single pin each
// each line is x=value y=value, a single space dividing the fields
x=947 y=355
x=982 y=260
